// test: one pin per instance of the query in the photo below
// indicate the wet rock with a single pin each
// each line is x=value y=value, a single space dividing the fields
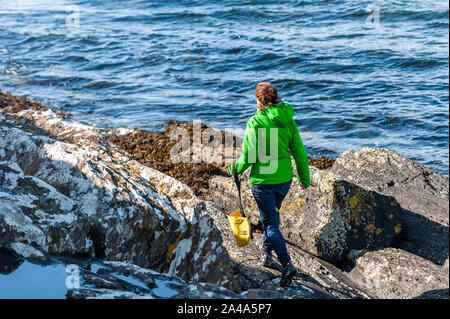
x=101 y=282
x=25 y=251
x=145 y=275
x=104 y=279
x=9 y=262
x=395 y=273
x=328 y=219
x=13 y=104
x=422 y=194
x=70 y=192
x=122 y=280
x=323 y=162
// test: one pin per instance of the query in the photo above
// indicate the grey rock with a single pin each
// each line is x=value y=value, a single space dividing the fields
x=104 y=279
x=72 y=193
x=145 y=275
x=295 y=291
x=422 y=194
x=329 y=219
x=394 y=273
x=9 y=261
x=204 y=291
x=96 y=293
x=25 y=251
x=122 y=280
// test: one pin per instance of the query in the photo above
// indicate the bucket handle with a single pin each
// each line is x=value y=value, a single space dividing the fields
x=237 y=181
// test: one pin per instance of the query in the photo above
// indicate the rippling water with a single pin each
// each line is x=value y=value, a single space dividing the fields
x=48 y=280
x=353 y=82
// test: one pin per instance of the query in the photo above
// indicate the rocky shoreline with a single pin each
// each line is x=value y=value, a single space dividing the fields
x=374 y=224
x=153 y=150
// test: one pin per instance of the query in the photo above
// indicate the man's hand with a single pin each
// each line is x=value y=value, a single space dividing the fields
x=302 y=186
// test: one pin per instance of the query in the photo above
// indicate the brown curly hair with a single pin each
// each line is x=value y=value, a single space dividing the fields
x=266 y=94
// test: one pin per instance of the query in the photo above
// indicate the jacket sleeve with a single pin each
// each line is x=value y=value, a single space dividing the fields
x=301 y=158
x=249 y=151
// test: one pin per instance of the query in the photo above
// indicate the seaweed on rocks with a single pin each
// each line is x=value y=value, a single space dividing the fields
x=14 y=104
x=153 y=149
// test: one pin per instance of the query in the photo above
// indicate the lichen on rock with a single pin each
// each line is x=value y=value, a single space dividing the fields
x=329 y=219
x=375 y=225
x=422 y=194
x=84 y=197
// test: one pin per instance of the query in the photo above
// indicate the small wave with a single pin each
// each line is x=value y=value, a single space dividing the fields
x=390 y=15
x=75 y=58
x=415 y=63
x=99 y=85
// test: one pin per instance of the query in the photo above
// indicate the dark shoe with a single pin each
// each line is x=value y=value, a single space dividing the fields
x=287 y=274
x=267 y=260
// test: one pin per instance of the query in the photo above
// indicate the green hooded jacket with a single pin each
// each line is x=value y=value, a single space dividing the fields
x=269 y=136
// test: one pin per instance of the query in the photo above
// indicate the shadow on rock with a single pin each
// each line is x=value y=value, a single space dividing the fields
x=9 y=262
x=423 y=237
x=358 y=220
x=434 y=294
x=422 y=193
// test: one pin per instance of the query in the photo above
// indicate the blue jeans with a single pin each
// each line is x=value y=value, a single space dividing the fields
x=269 y=198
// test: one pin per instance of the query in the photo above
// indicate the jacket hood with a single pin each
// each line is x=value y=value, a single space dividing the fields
x=281 y=114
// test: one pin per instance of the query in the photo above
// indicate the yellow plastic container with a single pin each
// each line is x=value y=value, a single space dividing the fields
x=241 y=228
